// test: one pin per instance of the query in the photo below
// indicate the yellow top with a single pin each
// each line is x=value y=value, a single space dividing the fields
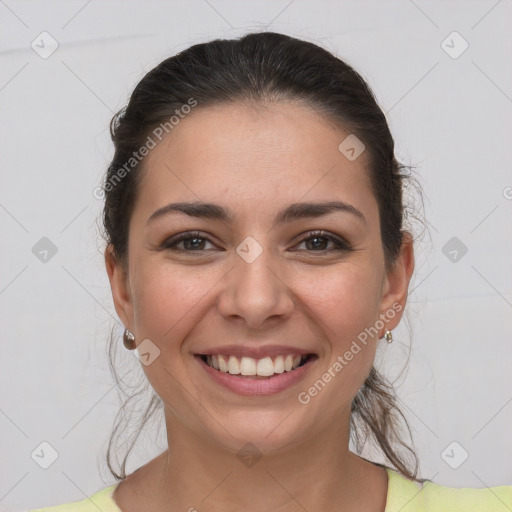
x=404 y=495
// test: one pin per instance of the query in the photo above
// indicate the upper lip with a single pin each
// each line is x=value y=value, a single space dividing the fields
x=258 y=352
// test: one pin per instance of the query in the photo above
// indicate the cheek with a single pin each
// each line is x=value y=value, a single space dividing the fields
x=345 y=302
x=168 y=304
x=168 y=300
x=345 y=298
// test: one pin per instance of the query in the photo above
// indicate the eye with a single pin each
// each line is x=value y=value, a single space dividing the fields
x=192 y=240
x=320 y=238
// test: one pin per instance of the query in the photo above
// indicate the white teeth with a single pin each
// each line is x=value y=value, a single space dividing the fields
x=233 y=365
x=247 y=366
x=279 y=364
x=223 y=364
x=264 y=367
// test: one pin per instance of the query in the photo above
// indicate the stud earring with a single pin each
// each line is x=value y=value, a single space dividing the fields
x=388 y=336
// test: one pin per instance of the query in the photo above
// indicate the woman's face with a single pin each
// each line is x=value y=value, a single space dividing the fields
x=261 y=285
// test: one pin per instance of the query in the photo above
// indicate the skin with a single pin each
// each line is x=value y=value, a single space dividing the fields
x=256 y=163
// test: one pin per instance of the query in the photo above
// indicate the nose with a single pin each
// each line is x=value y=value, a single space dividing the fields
x=256 y=292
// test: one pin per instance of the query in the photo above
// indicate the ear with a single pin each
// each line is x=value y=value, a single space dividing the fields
x=120 y=286
x=396 y=284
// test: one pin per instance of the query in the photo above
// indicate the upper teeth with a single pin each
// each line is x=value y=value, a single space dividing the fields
x=250 y=366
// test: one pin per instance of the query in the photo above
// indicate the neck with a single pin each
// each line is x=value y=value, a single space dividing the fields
x=318 y=474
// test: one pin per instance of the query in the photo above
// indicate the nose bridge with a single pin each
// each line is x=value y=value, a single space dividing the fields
x=254 y=289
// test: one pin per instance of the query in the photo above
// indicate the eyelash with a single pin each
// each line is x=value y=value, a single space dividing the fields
x=172 y=242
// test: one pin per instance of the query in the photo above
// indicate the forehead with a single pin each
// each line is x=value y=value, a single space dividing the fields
x=233 y=153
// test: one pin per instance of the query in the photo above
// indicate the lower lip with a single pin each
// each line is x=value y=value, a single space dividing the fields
x=253 y=387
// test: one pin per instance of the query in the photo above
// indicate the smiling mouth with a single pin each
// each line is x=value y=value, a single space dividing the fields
x=252 y=368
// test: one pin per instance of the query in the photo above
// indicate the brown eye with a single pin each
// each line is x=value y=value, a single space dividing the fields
x=318 y=240
x=192 y=242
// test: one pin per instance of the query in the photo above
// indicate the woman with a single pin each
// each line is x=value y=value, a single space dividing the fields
x=256 y=254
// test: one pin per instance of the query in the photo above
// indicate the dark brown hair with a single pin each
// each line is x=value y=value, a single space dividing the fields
x=258 y=69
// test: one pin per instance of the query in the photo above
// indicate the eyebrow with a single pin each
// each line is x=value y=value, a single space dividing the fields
x=288 y=214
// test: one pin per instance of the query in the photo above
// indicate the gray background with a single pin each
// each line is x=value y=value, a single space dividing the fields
x=451 y=118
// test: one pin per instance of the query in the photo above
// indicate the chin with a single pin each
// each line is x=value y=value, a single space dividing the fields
x=268 y=431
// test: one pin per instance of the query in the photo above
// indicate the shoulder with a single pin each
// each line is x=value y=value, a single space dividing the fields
x=101 y=500
x=448 y=499
x=410 y=496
